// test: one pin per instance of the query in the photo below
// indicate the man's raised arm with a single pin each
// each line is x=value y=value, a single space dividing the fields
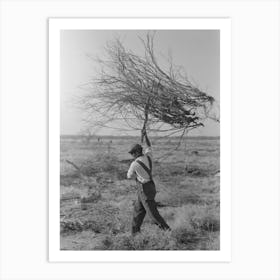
x=144 y=133
x=147 y=141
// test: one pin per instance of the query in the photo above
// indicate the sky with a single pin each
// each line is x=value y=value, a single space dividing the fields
x=197 y=51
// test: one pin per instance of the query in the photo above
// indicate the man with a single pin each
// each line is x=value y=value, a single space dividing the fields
x=141 y=169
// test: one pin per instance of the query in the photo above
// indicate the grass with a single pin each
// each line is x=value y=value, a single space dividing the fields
x=96 y=209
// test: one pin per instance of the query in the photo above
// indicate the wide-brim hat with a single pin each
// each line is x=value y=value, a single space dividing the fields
x=135 y=148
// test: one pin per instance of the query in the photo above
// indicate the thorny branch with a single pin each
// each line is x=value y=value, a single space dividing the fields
x=138 y=91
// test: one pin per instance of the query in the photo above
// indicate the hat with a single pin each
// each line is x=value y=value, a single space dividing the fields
x=135 y=148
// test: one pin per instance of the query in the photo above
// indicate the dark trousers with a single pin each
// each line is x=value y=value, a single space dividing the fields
x=146 y=204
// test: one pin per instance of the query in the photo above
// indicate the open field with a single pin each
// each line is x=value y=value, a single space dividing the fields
x=96 y=202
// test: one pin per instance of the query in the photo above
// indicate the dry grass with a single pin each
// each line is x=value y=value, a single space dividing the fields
x=96 y=209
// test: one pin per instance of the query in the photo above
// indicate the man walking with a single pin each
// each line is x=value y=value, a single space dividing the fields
x=141 y=169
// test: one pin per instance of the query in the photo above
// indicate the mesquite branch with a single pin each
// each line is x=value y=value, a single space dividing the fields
x=138 y=91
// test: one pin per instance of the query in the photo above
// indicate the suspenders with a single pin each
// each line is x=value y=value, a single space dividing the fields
x=149 y=171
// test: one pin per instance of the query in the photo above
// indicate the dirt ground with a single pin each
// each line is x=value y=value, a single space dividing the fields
x=96 y=198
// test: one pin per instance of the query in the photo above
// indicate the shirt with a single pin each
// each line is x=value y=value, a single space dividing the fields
x=137 y=170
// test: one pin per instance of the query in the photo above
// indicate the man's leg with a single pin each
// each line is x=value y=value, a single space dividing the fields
x=151 y=209
x=139 y=213
x=147 y=196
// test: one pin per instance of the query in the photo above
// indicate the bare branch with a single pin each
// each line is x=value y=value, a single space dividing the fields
x=137 y=90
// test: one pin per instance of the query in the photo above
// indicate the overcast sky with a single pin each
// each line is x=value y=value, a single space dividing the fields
x=197 y=51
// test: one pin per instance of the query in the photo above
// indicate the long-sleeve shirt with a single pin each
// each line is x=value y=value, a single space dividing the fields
x=136 y=170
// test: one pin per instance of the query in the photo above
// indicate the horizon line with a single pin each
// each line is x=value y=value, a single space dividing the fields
x=190 y=136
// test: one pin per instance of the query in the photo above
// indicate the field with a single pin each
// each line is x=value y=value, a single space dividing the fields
x=96 y=199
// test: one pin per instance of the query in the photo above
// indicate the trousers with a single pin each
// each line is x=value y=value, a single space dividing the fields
x=146 y=204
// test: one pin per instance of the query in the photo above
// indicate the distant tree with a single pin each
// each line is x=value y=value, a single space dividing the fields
x=88 y=135
x=138 y=91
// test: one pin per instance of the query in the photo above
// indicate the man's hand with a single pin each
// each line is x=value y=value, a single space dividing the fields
x=148 y=143
x=143 y=134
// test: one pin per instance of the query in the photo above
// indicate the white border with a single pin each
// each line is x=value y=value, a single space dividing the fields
x=55 y=25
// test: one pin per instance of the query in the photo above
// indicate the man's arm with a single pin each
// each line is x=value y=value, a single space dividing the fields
x=131 y=173
x=144 y=133
x=147 y=141
x=148 y=150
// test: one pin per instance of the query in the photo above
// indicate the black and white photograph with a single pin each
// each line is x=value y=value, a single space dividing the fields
x=139 y=140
